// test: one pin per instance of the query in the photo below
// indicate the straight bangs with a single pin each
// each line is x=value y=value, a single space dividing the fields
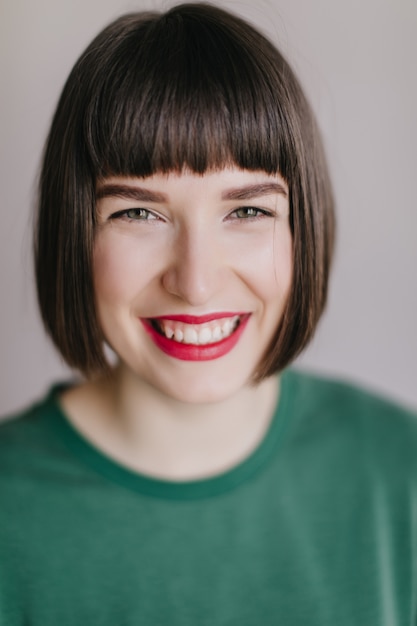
x=202 y=103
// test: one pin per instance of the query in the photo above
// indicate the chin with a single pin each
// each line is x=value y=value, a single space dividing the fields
x=201 y=389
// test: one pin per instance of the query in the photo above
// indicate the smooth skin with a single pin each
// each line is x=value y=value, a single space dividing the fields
x=185 y=244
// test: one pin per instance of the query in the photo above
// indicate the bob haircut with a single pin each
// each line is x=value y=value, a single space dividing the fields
x=197 y=88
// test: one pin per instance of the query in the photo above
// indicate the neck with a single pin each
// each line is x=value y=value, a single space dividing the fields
x=142 y=428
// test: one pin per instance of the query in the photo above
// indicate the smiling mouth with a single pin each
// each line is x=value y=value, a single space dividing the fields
x=196 y=334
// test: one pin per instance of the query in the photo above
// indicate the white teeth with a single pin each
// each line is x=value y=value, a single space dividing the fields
x=217 y=333
x=227 y=328
x=190 y=335
x=195 y=334
x=178 y=334
x=205 y=336
x=169 y=332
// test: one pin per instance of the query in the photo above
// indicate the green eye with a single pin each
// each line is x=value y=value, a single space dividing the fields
x=138 y=214
x=248 y=212
x=135 y=215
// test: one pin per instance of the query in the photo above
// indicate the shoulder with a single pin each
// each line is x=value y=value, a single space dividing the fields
x=354 y=423
x=16 y=426
x=28 y=434
x=14 y=423
x=343 y=400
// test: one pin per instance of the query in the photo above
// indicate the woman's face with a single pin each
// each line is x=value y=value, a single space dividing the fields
x=192 y=273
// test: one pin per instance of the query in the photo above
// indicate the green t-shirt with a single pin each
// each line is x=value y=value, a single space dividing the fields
x=317 y=527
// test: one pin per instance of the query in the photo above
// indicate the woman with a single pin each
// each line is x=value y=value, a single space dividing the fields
x=186 y=221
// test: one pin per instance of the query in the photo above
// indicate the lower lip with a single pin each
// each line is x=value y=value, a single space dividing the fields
x=191 y=352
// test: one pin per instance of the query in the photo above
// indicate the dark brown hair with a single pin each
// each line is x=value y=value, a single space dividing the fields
x=194 y=87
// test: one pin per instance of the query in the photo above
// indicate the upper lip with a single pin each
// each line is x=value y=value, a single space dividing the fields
x=199 y=319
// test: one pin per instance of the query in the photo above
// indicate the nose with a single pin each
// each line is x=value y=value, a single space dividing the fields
x=194 y=271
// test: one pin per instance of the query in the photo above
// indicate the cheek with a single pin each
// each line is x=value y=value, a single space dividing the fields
x=118 y=269
x=269 y=266
x=108 y=273
x=283 y=264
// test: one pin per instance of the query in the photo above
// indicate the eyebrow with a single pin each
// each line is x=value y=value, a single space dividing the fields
x=252 y=191
x=130 y=193
x=140 y=194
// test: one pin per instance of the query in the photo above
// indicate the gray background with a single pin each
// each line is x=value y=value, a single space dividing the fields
x=357 y=61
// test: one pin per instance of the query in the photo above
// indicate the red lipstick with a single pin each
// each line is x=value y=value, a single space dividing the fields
x=192 y=352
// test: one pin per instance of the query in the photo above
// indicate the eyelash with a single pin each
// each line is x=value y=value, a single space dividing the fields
x=259 y=213
x=138 y=218
x=144 y=215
